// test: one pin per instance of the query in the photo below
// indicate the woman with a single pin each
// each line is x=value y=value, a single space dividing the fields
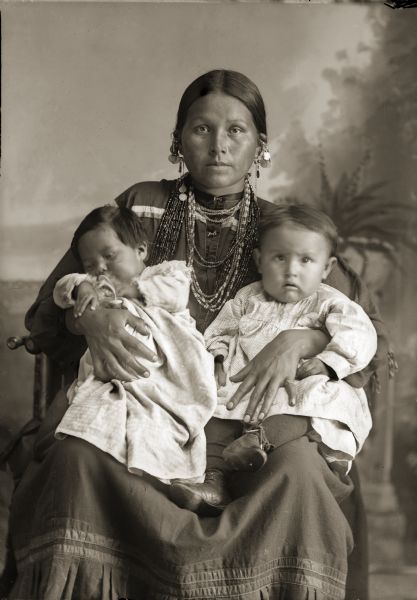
x=96 y=531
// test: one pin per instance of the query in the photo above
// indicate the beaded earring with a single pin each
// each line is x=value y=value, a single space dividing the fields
x=264 y=155
x=263 y=159
x=175 y=157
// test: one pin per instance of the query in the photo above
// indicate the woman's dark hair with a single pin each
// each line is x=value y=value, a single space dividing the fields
x=301 y=215
x=124 y=222
x=226 y=82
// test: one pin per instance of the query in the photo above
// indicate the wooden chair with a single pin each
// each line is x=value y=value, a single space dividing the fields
x=48 y=379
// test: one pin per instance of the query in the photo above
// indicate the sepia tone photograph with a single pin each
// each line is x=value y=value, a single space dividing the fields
x=208 y=237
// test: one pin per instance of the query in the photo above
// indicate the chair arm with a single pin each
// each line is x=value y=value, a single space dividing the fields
x=15 y=342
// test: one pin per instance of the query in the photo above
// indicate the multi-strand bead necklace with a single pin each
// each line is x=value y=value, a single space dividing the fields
x=233 y=267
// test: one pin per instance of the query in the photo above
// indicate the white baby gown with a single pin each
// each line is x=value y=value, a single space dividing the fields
x=153 y=424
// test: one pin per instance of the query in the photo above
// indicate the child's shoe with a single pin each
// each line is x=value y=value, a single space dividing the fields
x=207 y=499
x=248 y=452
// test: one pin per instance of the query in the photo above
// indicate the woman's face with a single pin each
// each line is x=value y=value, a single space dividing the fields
x=219 y=142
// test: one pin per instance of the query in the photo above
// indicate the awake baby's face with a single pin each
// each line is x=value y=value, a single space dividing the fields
x=103 y=253
x=293 y=262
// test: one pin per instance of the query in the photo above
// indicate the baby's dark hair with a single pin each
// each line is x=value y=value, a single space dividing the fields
x=124 y=222
x=302 y=215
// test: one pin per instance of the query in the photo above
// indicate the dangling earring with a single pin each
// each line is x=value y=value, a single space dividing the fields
x=264 y=157
x=175 y=156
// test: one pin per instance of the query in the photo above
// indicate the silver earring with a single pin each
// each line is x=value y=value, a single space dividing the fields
x=264 y=157
x=175 y=157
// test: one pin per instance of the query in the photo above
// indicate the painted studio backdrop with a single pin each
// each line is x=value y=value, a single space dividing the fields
x=89 y=98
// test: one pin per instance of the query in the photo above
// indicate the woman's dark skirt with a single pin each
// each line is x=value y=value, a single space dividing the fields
x=84 y=528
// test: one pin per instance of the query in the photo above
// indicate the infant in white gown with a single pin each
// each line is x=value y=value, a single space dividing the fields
x=153 y=424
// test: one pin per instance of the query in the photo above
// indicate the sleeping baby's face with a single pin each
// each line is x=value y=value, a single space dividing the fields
x=103 y=253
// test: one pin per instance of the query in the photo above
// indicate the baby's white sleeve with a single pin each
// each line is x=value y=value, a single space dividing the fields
x=166 y=285
x=64 y=288
x=353 y=338
x=225 y=326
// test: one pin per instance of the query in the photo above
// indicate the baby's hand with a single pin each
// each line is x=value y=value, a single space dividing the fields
x=219 y=372
x=86 y=296
x=312 y=366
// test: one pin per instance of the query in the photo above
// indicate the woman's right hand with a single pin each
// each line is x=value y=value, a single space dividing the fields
x=273 y=367
x=113 y=349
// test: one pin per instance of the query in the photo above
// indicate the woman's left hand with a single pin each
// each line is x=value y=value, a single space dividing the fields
x=273 y=367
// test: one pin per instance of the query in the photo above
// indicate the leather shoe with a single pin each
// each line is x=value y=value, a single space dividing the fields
x=246 y=453
x=207 y=499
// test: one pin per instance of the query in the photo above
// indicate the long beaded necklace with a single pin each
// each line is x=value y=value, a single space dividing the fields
x=168 y=232
x=182 y=206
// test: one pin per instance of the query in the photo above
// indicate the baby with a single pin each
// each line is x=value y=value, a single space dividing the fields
x=155 y=424
x=296 y=252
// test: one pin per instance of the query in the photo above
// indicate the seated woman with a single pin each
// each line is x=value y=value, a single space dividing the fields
x=97 y=531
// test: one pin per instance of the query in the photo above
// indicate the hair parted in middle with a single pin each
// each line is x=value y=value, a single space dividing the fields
x=302 y=215
x=226 y=82
x=124 y=222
